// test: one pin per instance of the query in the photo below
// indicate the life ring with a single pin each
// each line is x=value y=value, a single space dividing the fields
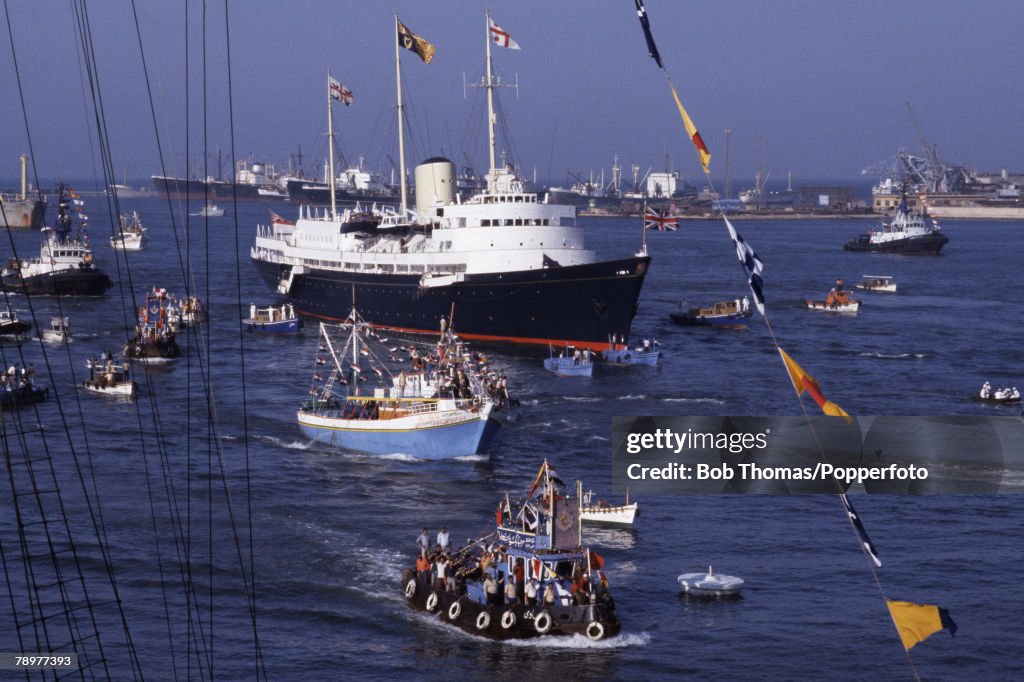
x=483 y=621
x=454 y=610
x=410 y=588
x=542 y=623
x=595 y=631
x=432 y=601
x=508 y=620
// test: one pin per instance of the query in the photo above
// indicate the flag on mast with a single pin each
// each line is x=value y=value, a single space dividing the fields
x=339 y=91
x=659 y=220
x=411 y=41
x=802 y=381
x=500 y=36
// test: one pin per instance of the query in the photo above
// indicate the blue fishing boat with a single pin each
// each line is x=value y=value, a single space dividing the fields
x=648 y=352
x=273 y=320
x=529 y=577
x=438 y=411
x=571 y=362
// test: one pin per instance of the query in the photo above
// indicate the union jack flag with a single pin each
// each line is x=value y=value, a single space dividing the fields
x=659 y=220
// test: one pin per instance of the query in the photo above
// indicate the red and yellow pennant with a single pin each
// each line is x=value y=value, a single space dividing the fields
x=691 y=130
x=802 y=381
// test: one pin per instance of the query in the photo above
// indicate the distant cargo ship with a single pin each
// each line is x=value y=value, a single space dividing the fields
x=21 y=210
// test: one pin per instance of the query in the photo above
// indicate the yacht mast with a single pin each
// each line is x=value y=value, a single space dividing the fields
x=330 y=145
x=490 y=97
x=401 y=133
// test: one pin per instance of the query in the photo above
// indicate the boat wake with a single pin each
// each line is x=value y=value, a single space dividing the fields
x=895 y=356
x=583 y=642
x=632 y=397
x=290 y=445
x=581 y=399
x=596 y=437
x=715 y=401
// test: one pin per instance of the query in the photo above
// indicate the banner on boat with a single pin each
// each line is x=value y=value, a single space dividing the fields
x=778 y=455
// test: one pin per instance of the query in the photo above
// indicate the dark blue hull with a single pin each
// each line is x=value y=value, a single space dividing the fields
x=583 y=305
x=925 y=245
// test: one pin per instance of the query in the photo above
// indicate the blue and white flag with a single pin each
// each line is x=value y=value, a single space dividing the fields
x=862 y=534
x=751 y=264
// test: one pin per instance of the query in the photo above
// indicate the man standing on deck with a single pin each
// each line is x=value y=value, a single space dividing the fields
x=423 y=542
x=443 y=539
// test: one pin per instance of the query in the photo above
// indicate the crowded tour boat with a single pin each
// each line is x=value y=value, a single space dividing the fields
x=441 y=408
x=107 y=377
x=154 y=332
x=530 y=577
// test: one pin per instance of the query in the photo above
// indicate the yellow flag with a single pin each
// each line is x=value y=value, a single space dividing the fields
x=691 y=130
x=802 y=381
x=918 y=622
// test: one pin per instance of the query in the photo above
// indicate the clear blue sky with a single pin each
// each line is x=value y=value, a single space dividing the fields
x=826 y=82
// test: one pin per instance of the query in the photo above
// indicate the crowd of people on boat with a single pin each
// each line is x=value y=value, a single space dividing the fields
x=104 y=372
x=478 y=563
x=986 y=393
x=17 y=378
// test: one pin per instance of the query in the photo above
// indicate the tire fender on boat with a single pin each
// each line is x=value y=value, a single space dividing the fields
x=595 y=631
x=542 y=623
x=432 y=601
x=410 y=588
x=483 y=621
x=454 y=610
x=508 y=620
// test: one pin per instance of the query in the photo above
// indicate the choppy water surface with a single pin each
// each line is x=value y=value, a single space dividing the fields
x=332 y=531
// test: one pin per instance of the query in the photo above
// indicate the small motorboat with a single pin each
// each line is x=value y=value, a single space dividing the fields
x=839 y=300
x=132 y=233
x=106 y=377
x=710 y=585
x=727 y=314
x=59 y=331
x=647 y=353
x=883 y=283
x=999 y=396
x=10 y=325
x=606 y=513
x=571 y=362
x=211 y=210
x=273 y=320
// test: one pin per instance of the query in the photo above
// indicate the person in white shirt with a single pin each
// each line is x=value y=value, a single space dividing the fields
x=443 y=539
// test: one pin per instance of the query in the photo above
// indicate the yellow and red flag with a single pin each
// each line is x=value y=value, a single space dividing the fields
x=802 y=381
x=691 y=130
